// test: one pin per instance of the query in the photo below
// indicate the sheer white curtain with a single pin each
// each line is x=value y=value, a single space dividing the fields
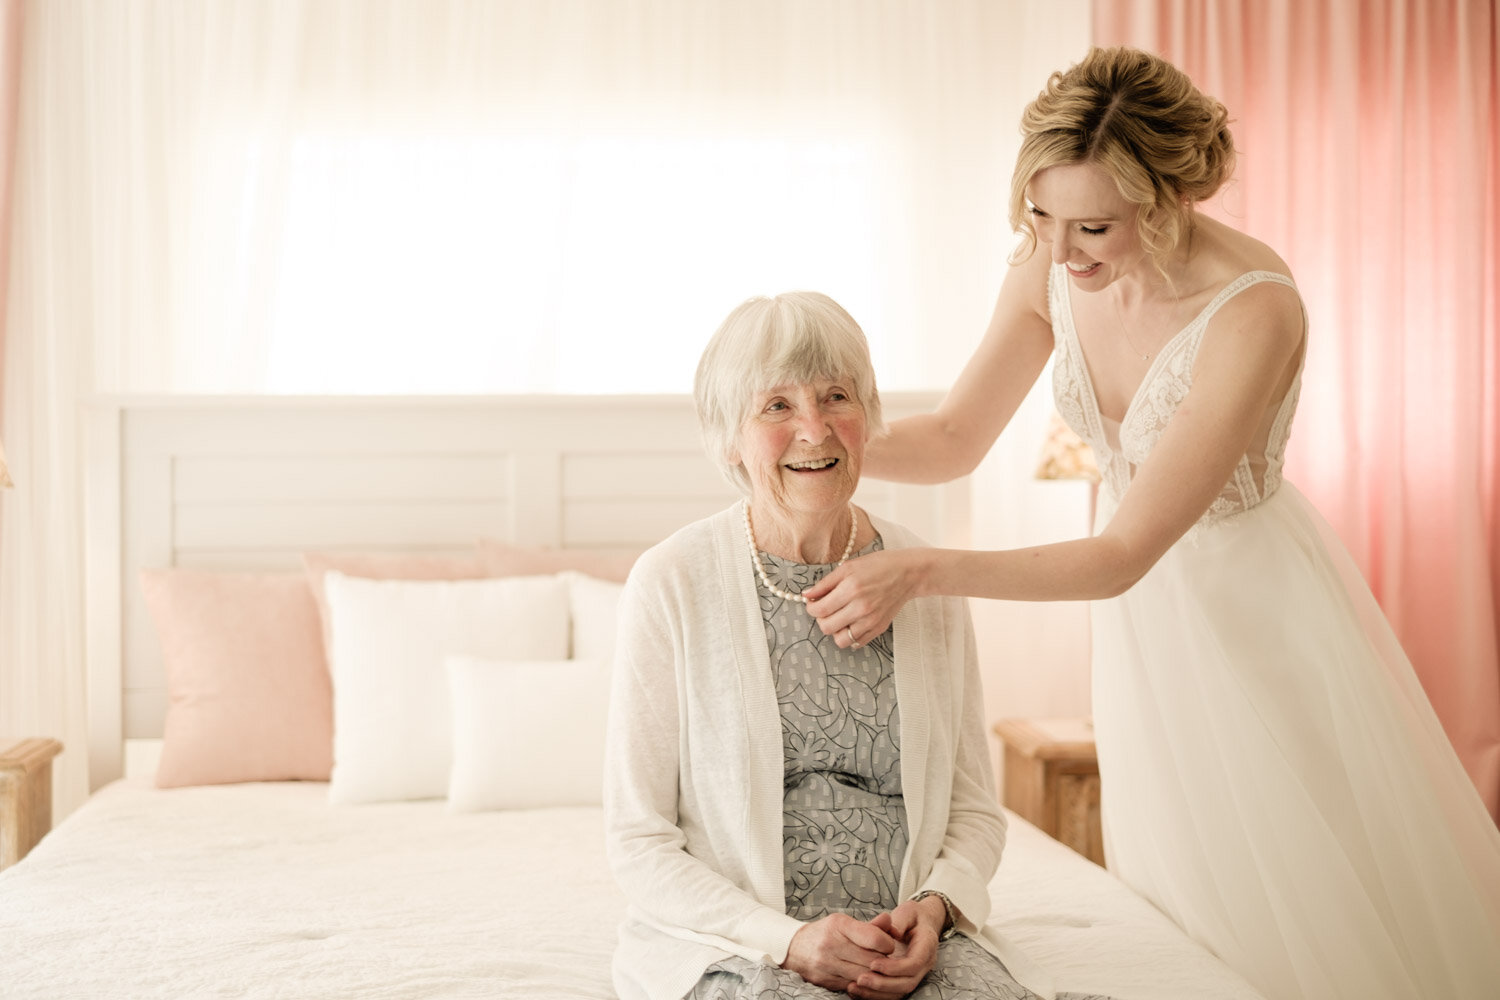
x=458 y=196
x=471 y=196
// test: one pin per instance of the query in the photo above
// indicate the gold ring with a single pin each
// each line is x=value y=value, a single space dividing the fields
x=852 y=642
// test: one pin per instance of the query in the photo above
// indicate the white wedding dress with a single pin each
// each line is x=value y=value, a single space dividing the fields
x=1274 y=778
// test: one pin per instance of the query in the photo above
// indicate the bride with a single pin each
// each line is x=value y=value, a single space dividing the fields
x=1273 y=777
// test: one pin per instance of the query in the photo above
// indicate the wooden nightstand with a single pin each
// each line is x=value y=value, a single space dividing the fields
x=1052 y=779
x=25 y=795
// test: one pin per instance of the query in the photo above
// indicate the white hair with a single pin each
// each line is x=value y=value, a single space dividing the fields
x=792 y=339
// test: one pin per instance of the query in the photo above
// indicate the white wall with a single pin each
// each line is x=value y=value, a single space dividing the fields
x=1035 y=655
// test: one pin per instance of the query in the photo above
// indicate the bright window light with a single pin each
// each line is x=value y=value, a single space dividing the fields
x=538 y=265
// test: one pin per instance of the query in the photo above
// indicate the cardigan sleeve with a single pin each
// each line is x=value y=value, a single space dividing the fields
x=648 y=849
x=975 y=835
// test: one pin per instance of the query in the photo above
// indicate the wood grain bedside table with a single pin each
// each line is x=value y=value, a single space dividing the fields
x=25 y=795
x=1052 y=779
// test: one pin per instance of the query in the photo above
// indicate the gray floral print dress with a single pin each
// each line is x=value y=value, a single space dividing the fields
x=844 y=829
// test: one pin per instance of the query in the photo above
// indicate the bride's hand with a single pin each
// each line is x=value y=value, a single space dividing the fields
x=858 y=601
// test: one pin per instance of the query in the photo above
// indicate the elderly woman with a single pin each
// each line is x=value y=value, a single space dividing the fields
x=787 y=817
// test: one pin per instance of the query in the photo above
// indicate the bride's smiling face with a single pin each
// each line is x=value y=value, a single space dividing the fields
x=1086 y=223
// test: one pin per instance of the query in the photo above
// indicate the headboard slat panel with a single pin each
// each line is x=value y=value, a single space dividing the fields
x=330 y=522
x=272 y=478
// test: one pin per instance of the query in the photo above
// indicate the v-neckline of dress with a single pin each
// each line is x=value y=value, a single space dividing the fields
x=1156 y=361
x=1162 y=353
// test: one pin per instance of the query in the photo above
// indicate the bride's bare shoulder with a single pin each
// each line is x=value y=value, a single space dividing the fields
x=1227 y=252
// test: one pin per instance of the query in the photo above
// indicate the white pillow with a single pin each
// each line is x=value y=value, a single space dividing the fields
x=527 y=735
x=595 y=604
x=392 y=735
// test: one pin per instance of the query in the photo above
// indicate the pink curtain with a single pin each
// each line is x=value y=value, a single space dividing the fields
x=1368 y=160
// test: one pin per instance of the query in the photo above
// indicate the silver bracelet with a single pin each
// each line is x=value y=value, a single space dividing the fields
x=950 y=922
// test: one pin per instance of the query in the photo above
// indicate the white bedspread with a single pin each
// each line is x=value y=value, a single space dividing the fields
x=266 y=891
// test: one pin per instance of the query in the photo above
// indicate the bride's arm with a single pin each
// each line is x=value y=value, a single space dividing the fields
x=1244 y=359
x=950 y=442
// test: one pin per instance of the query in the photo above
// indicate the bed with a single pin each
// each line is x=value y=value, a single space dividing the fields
x=258 y=873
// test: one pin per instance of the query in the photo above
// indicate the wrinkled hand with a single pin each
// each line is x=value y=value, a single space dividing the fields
x=863 y=595
x=837 y=950
x=916 y=928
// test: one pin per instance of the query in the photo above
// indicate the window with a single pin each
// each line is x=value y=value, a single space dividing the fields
x=435 y=264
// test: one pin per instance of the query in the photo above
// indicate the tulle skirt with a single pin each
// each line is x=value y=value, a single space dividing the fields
x=1274 y=778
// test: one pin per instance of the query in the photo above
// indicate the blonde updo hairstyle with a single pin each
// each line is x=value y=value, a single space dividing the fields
x=1165 y=143
x=792 y=339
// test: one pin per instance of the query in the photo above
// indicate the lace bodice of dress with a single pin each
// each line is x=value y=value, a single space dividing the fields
x=1120 y=448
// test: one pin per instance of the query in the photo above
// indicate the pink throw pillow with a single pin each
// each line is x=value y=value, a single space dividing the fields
x=248 y=693
x=500 y=559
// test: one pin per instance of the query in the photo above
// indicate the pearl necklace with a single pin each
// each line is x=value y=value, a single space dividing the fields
x=760 y=568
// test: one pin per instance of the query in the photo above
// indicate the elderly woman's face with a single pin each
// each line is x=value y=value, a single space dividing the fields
x=802 y=446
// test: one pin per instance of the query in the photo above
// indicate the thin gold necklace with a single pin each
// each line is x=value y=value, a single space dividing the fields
x=1120 y=318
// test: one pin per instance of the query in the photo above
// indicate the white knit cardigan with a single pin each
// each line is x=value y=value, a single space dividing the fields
x=693 y=779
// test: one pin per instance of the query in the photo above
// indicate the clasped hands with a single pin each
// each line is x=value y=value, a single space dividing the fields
x=880 y=959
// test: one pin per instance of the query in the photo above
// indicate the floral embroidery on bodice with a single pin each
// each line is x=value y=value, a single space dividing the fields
x=1120 y=449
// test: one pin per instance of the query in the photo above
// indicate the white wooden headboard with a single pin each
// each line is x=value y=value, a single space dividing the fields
x=250 y=482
